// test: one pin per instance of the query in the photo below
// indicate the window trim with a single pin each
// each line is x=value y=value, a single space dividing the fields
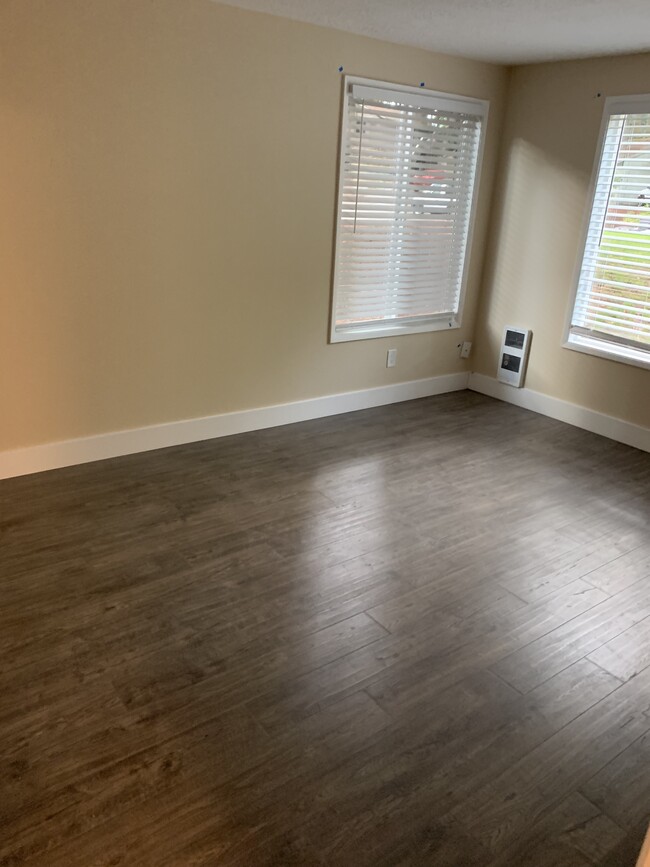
x=443 y=322
x=585 y=343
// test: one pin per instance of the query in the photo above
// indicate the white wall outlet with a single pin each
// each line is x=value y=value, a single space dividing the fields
x=465 y=349
x=391 y=358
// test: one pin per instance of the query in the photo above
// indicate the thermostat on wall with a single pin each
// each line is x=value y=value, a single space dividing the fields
x=514 y=356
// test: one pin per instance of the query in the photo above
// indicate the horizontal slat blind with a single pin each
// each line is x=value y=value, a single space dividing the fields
x=407 y=182
x=613 y=297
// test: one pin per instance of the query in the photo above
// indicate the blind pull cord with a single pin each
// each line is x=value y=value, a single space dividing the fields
x=611 y=183
x=356 y=199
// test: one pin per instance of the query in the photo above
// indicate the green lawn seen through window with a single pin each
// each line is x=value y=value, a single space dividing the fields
x=619 y=253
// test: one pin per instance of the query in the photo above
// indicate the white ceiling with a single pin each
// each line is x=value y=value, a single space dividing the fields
x=501 y=31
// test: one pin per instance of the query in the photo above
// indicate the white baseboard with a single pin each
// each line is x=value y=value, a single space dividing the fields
x=579 y=416
x=35 y=459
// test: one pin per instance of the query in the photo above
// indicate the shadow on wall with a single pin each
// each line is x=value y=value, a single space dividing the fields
x=529 y=279
x=531 y=268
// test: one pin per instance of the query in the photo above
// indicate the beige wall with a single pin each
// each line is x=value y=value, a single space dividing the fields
x=548 y=150
x=167 y=178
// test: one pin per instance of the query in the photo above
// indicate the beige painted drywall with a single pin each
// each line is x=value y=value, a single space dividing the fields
x=167 y=198
x=548 y=149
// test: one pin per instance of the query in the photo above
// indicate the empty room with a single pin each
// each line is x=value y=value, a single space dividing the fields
x=324 y=433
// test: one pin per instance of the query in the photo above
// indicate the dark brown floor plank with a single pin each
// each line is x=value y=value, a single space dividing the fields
x=628 y=653
x=571 y=692
x=574 y=833
x=529 y=666
x=394 y=637
x=502 y=810
x=622 y=787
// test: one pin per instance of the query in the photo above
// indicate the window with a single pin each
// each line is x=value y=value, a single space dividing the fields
x=611 y=311
x=407 y=189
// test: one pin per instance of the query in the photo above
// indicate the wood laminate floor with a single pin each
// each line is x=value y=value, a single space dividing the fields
x=414 y=635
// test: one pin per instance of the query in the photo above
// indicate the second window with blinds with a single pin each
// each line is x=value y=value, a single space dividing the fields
x=408 y=180
x=610 y=314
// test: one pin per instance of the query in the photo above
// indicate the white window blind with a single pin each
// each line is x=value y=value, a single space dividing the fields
x=612 y=304
x=409 y=161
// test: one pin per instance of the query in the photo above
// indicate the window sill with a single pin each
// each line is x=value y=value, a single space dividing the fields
x=603 y=349
x=369 y=333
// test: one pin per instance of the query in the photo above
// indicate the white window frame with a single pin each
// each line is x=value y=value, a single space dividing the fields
x=601 y=347
x=461 y=103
